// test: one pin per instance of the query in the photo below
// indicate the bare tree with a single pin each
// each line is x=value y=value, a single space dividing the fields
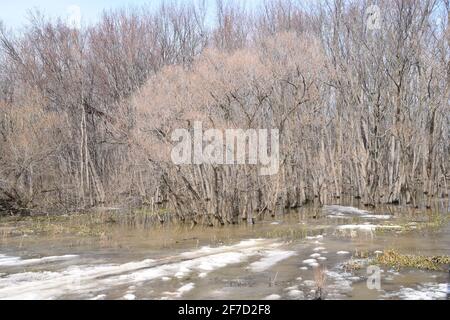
x=86 y=115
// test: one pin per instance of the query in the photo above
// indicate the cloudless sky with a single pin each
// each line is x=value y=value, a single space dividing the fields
x=14 y=13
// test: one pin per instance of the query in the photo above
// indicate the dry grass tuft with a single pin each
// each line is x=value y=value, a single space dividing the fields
x=394 y=259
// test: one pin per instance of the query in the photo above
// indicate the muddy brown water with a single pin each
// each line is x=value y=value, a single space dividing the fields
x=279 y=257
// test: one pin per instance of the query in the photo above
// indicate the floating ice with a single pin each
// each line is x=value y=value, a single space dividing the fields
x=376 y=216
x=291 y=288
x=273 y=297
x=341 y=210
x=88 y=280
x=177 y=294
x=427 y=291
x=366 y=227
x=314 y=237
x=338 y=216
x=309 y=283
x=309 y=261
x=296 y=294
x=270 y=258
x=339 y=282
x=17 y=262
x=186 y=288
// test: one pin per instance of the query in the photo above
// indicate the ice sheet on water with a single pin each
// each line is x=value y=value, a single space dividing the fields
x=181 y=291
x=309 y=261
x=88 y=280
x=214 y=259
x=309 y=283
x=339 y=282
x=50 y=285
x=314 y=237
x=376 y=216
x=211 y=250
x=269 y=259
x=6 y=261
x=296 y=294
x=129 y=296
x=426 y=291
x=291 y=288
x=335 y=211
x=365 y=227
x=341 y=210
x=273 y=297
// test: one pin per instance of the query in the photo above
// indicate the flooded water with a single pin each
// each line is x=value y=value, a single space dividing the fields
x=288 y=256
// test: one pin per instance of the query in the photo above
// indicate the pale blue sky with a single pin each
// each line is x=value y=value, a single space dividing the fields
x=14 y=13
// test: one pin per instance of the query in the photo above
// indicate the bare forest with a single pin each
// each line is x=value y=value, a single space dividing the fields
x=86 y=114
